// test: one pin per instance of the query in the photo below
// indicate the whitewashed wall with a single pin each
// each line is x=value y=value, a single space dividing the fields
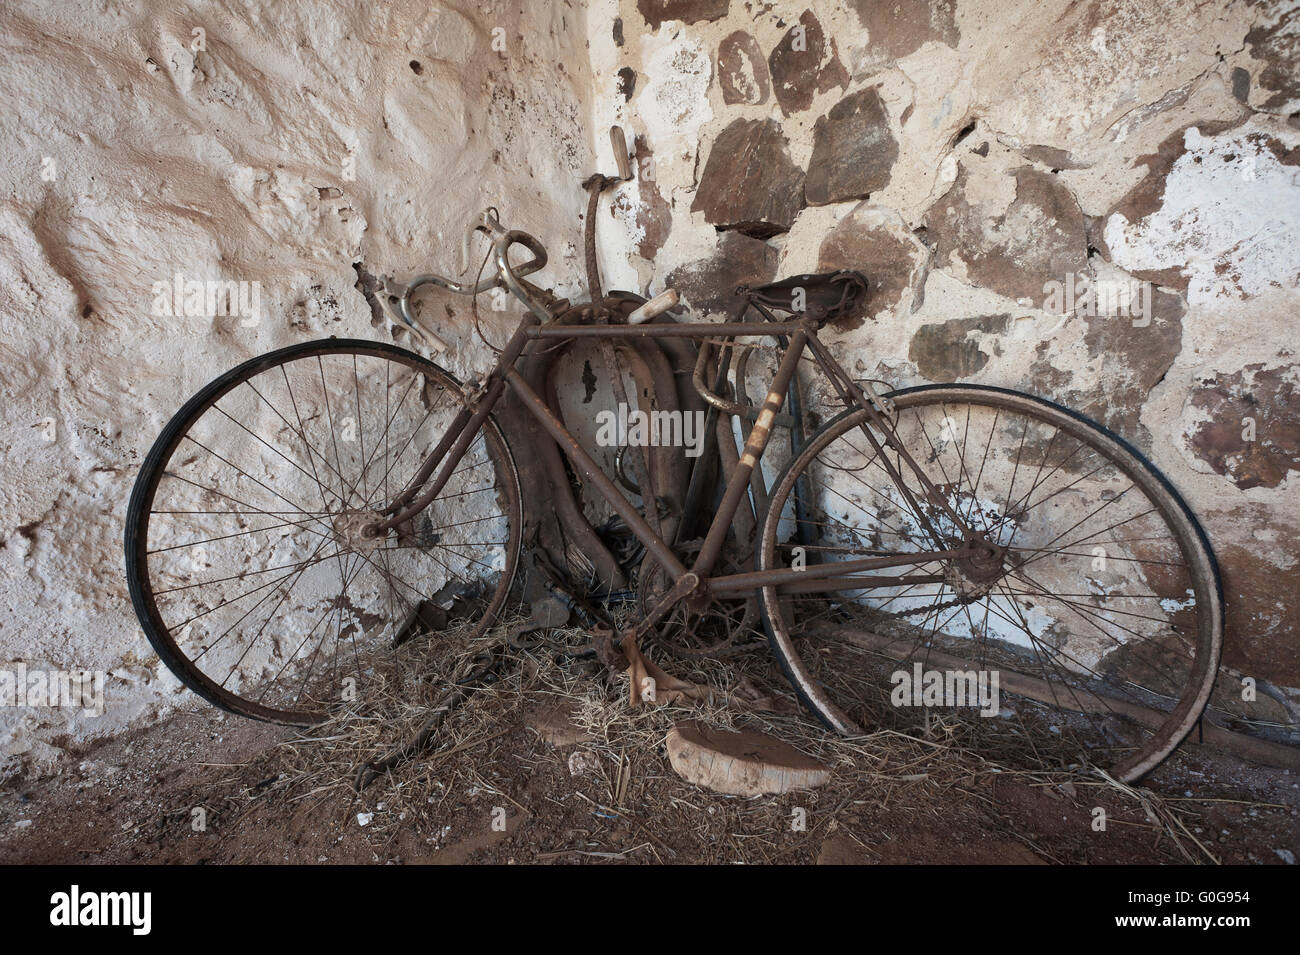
x=283 y=144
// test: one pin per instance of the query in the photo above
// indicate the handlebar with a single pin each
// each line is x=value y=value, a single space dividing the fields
x=508 y=275
x=511 y=276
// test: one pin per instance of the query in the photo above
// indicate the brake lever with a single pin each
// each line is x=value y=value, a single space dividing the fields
x=487 y=223
x=402 y=293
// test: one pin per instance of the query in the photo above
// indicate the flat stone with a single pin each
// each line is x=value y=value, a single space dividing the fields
x=742 y=71
x=945 y=351
x=1277 y=45
x=1053 y=158
x=804 y=64
x=626 y=83
x=658 y=12
x=1134 y=352
x=707 y=285
x=750 y=182
x=1039 y=238
x=853 y=150
x=740 y=764
x=1220 y=438
x=1262 y=616
x=884 y=251
x=898 y=28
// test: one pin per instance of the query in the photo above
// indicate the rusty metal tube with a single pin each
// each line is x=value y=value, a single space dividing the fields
x=592 y=472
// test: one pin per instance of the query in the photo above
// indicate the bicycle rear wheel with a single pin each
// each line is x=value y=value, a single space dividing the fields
x=244 y=556
x=1093 y=597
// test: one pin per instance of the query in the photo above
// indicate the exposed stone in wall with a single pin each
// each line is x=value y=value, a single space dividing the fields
x=1037 y=144
x=1248 y=425
x=803 y=64
x=898 y=29
x=1136 y=351
x=626 y=82
x=1015 y=249
x=658 y=12
x=230 y=163
x=1053 y=158
x=871 y=241
x=853 y=150
x=652 y=214
x=1261 y=576
x=1276 y=43
x=750 y=182
x=948 y=352
x=707 y=285
x=742 y=71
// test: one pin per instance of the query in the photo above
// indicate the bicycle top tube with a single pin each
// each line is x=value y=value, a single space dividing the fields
x=684 y=330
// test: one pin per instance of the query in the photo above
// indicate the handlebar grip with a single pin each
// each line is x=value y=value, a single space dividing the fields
x=656 y=306
x=619 y=144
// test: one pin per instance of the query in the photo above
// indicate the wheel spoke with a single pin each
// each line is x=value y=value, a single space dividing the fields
x=1038 y=483
x=245 y=609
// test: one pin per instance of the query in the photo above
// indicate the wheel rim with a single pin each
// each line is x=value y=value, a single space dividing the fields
x=251 y=568
x=1063 y=596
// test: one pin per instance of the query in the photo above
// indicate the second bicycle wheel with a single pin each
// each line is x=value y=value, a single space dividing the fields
x=1091 y=595
x=245 y=560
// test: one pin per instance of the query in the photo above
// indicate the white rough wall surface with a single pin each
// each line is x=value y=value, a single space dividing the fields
x=300 y=139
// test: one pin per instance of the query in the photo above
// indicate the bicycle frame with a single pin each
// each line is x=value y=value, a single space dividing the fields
x=802 y=335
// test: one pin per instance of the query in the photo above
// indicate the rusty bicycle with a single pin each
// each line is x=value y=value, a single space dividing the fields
x=337 y=495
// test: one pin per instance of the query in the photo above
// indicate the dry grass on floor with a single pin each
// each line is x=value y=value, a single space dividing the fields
x=623 y=773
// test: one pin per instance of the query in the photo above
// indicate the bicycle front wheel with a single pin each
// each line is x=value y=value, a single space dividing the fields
x=1084 y=625
x=244 y=555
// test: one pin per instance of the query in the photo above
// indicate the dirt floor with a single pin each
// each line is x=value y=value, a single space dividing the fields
x=206 y=787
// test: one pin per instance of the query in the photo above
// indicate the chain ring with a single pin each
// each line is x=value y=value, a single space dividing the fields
x=652 y=584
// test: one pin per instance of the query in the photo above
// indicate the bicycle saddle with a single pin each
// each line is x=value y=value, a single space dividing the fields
x=825 y=296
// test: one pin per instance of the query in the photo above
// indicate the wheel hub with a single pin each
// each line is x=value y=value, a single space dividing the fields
x=974 y=576
x=357 y=530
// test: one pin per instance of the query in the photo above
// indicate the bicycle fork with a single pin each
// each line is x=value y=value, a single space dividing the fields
x=449 y=451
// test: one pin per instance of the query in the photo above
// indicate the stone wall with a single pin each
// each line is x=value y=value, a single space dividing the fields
x=966 y=154
x=282 y=144
x=972 y=157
